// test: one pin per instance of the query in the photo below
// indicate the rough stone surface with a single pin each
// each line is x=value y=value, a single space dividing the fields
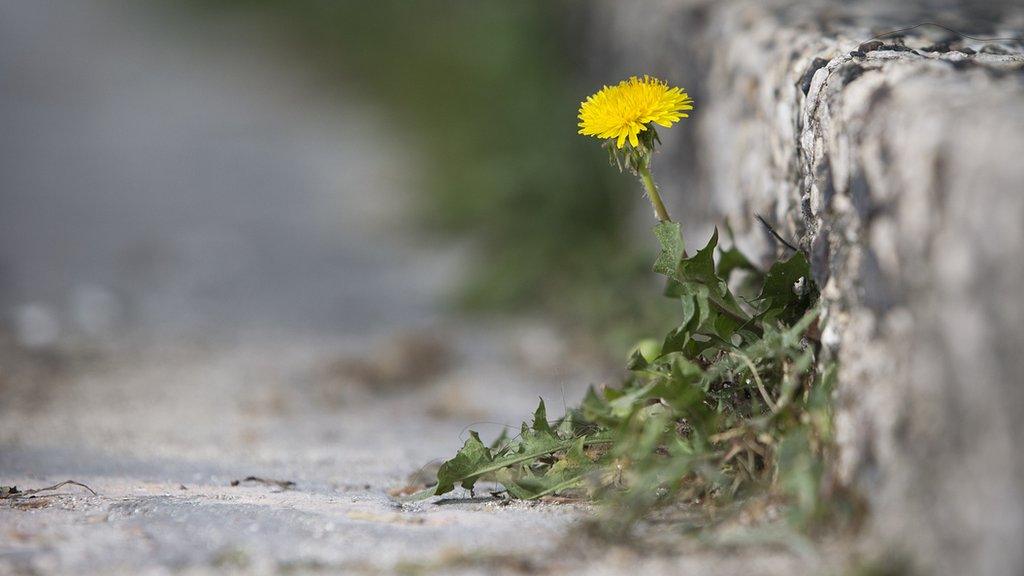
x=897 y=166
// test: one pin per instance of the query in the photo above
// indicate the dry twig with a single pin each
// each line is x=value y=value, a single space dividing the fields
x=12 y=492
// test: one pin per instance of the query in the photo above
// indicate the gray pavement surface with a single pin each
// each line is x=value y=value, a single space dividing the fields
x=161 y=433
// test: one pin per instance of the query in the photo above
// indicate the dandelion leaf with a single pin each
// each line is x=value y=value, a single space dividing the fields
x=672 y=248
x=787 y=289
x=465 y=467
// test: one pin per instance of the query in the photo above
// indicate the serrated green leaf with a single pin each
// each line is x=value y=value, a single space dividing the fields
x=673 y=288
x=700 y=269
x=684 y=371
x=682 y=375
x=672 y=248
x=731 y=260
x=612 y=393
x=779 y=296
x=626 y=404
x=725 y=326
x=676 y=340
x=636 y=361
x=702 y=299
x=701 y=266
x=516 y=484
x=464 y=467
x=500 y=441
x=475 y=460
x=540 y=420
x=593 y=407
x=688 y=305
x=564 y=474
x=565 y=427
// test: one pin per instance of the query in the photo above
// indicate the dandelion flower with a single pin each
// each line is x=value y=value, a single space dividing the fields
x=622 y=111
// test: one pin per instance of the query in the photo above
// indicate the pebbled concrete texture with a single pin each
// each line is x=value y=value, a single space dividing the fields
x=895 y=165
x=161 y=434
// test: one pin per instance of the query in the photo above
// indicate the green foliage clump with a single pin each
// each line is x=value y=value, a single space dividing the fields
x=732 y=403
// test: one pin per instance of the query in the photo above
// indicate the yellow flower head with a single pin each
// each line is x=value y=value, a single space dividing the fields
x=624 y=110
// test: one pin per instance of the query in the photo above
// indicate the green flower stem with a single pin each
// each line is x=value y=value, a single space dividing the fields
x=652 y=192
x=642 y=163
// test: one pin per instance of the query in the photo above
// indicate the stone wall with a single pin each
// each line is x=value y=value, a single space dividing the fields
x=899 y=166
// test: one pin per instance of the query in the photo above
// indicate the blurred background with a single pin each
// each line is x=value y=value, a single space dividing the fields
x=300 y=240
x=215 y=166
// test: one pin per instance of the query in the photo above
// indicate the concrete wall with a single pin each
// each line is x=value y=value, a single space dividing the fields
x=902 y=173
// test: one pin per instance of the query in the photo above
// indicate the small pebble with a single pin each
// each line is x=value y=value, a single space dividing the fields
x=994 y=49
x=869 y=46
x=943 y=46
